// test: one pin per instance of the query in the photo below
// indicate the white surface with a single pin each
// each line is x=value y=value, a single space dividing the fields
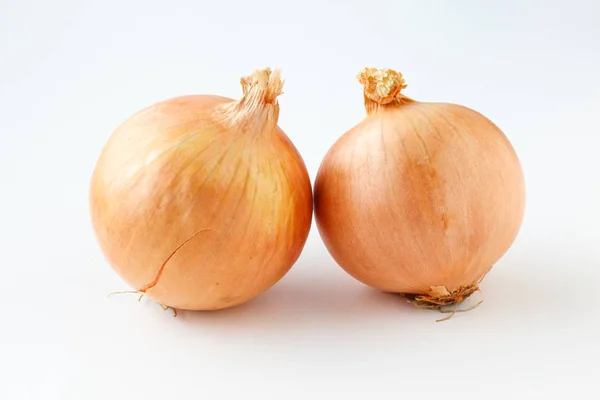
x=71 y=71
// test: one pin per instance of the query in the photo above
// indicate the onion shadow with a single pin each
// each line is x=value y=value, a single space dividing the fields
x=318 y=295
x=537 y=285
x=304 y=299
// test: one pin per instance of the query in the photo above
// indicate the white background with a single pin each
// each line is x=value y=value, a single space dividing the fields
x=71 y=71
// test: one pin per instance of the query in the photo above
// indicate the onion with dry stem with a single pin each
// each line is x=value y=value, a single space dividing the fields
x=202 y=202
x=419 y=198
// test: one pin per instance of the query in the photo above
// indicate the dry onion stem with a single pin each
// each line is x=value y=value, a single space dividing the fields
x=202 y=202
x=419 y=198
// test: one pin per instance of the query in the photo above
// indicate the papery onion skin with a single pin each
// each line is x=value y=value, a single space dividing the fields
x=202 y=202
x=419 y=198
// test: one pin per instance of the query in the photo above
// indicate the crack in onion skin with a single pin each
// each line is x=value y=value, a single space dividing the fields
x=418 y=195
x=212 y=171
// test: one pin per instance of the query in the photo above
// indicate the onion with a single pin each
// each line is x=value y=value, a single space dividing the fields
x=202 y=202
x=419 y=198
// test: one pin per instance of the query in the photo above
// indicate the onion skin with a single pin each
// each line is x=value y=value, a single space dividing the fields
x=202 y=202
x=419 y=198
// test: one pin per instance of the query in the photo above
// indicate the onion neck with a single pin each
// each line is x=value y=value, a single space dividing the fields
x=382 y=89
x=258 y=109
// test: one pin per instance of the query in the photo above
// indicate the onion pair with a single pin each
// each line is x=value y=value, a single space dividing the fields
x=202 y=202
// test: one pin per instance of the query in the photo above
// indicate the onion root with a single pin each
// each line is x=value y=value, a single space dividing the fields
x=141 y=295
x=439 y=297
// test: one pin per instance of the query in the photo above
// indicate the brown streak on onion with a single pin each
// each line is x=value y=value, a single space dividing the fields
x=164 y=264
